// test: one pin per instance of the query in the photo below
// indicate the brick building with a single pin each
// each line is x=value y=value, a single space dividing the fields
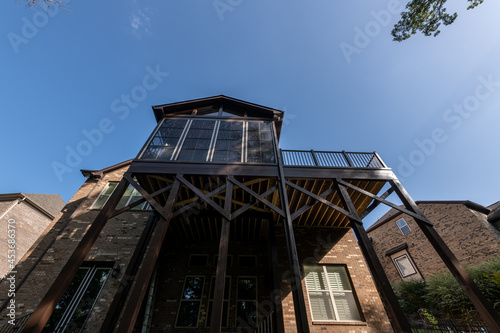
x=23 y=218
x=469 y=229
x=213 y=228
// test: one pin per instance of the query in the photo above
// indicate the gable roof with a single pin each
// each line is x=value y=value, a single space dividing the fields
x=392 y=213
x=253 y=110
x=48 y=204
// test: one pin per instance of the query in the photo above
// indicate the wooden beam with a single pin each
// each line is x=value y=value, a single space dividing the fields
x=250 y=204
x=202 y=195
x=376 y=203
x=146 y=195
x=45 y=308
x=311 y=203
x=276 y=293
x=391 y=303
x=143 y=276
x=388 y=203
x=220 y=275
x=318 y=198
x=483 y=306
x=257 y=196
x=299 y=302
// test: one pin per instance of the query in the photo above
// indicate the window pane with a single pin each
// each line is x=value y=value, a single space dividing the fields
x=321 y=306
x=315 y=278
x=346 y=306
x=260 y=145
x=247 y=288
x=228 y=146
x=87 y=302
x=403 y=226
x=165 y=140
x=246 y=313
x=405 y=266
x=193 y=287
x=188 y=314
x=197 y=142
x=337 y=276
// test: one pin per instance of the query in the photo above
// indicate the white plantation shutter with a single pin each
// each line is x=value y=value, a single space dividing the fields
x=321 y=306
x=346 y=306
x=332 y=299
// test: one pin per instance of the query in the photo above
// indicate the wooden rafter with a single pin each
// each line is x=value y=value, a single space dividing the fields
x=311 y=203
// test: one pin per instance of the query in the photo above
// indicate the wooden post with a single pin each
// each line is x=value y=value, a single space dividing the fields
x=483 y=306
x=143 y=275
x=293 y=258
x=276 y=293
x=393 y=308
x=44 y=310
x=220 y=275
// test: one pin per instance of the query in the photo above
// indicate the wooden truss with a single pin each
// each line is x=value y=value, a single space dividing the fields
x=229 y=197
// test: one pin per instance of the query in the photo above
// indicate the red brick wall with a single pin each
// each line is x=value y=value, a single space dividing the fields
x=470 y=237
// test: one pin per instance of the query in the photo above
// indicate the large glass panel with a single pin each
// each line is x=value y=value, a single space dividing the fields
x=228 y=147
x=195 y=146
x=246 y=305
x=247 y=288
x=104 y=196
x=164 y=142
x=260 y=143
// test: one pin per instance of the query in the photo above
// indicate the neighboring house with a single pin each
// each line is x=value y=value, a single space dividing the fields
x=470 y=230
x=23 y=218
x=213 y=228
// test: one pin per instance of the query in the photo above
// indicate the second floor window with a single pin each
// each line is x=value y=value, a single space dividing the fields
x=403 y=226
x=212 y=140
x=131 y=195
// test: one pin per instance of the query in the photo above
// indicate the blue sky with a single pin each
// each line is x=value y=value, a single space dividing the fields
x=429 y=106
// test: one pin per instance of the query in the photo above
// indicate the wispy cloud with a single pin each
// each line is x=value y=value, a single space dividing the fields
x=140 y=21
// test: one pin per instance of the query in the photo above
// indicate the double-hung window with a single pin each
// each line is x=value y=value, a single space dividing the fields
x=404 y=266
x=246 y=302
x=331 y=297
x=403 y=226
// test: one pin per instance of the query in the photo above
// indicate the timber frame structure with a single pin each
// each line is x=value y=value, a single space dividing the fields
x=298 y=188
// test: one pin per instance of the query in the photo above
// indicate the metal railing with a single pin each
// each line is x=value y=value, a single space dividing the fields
x=340 y=159
x=266 y=325
x=447 y=325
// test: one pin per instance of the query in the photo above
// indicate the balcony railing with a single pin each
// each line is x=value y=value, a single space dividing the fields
x=340 y=159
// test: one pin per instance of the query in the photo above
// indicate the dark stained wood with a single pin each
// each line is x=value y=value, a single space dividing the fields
x=318 y=198
x=139 y=288
x=211 y=169
x=276 y=293
x=313 y=172
x=299 y=302
x=257 y=196
x=127 y=208
x=392 y=306
x=250 y=204
x=376 y=203
x=204 y=197
x=483 y=306
x=45 y=308
x=310 y=204
x=220 y=275
x=164 y=213
x=388 y=203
